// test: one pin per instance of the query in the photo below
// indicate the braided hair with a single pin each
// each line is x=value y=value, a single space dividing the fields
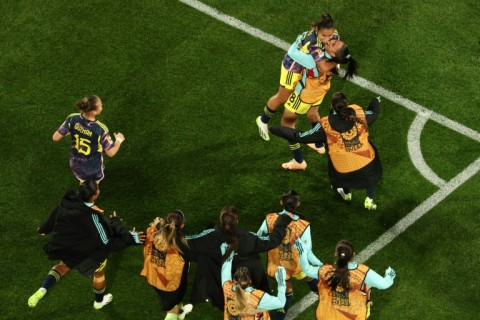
x=340 y=105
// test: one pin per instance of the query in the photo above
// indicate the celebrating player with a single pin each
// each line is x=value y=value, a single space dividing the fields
x=312 y=41
x=90 y=138
x=353 y=161
x=286 y=255
x=166 y=264
x=344 y=287
x=242 y=301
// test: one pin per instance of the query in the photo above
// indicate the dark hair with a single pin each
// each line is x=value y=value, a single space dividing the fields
x=229 y=218
x=325 y=22
x=170 y=232
x=343 y=56
x=87 y=190
x=341 y=275
x=340 y=105
x=290 y=200
x=88 y=104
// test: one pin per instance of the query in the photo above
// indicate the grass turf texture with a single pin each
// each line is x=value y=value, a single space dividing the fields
x=185 y=90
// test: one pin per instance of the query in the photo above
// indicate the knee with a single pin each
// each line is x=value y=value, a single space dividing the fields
x=61 y=268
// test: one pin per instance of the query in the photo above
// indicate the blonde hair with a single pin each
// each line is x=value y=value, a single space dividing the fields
x=170 y=232
x=242 y=280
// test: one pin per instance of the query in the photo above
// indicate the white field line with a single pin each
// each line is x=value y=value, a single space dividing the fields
x=415 y=151
x=446 y=188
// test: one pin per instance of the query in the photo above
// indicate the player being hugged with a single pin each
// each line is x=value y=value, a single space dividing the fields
x=90 y=138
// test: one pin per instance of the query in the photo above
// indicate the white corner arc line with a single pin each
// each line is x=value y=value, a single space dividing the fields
x=398 y=228
x=364 y=83
x=415 y=150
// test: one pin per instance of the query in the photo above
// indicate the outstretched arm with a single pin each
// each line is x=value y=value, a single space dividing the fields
x=375 y=280
x=307 y=268
x=269 y=302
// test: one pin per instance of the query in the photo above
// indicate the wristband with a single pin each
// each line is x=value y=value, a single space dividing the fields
x=119 y=140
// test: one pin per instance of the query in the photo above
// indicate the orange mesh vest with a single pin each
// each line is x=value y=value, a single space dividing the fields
x=163 y=269
x=254 y=298
x=349 y=151
x=315 y=89
x=341 y=304
x=285 y=254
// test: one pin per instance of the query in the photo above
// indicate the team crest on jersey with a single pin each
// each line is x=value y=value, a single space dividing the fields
x=351 y=139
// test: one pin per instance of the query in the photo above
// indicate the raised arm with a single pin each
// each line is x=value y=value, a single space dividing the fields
x=269 y=302
x=375 y=280
x=373 y=110
x=307 y=268
x=227 y=265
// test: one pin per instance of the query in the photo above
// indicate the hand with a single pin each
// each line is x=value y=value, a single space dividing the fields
x=119 y=137
x=114 y=215
x=390 y=273
x=304 y=48
x=280 y=276
x=157 y=221
x=223 y=248
x=378 y=98
x=138 y=236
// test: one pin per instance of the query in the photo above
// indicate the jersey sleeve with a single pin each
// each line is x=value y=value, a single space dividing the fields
x=106 y=141
x=375 y=280
x=65 y=127
x=269 y=302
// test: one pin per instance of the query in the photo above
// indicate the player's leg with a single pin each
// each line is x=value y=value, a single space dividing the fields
x=289 y=119
x=288 y=81
x=314 y=118
x=99 y=285
x=54 y=275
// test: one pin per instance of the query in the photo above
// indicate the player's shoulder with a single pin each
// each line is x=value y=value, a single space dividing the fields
x=102 y=126
x=73 y=115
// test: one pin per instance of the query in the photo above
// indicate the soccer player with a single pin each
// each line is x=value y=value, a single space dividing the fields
x=286 y=255
x=353 y=161
x=247 y=245
x=309 y=94
x=82 y=238
x=90 y=138
x=312 y=41
x=242 y=301
x=166 y=263
x=344 y=287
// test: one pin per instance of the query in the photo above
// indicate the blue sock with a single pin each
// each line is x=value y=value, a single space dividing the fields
x=52 y=277
x=267 y=114
x=99 y=293
x=297 y=152
x=370 y=191
x=313 y=285
x=282 y=313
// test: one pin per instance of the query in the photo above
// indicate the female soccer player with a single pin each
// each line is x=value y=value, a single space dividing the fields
x=166 y=264
x=312 y=41
x=83 y=237
x=286 y=255
x=309 y=94
x=204 y=248
x=90 y=138
x=353 y=161
x=242 y=301
x=344 y=287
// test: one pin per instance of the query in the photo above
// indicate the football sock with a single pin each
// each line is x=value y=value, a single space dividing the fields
x=313 y=285
x=99 y=293
x=370 y=191
x=267 y=114
x=317 y=144
x=282 y=313
x=297 y=152
x=52 y=277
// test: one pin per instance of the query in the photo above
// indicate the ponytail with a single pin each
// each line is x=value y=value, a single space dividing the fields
x=170 y=232
x=242 y=280
x=229 y=218
x=341 y=276
x=340 y=105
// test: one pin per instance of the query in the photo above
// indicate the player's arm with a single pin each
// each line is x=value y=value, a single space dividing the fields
x=112 y=150
x=373 y=110
x=375 y=280
x=307 y=268
x=306 y=239
x=269 y=302
x=301 y=56
x=263 y=230
x=63 y=131
x=227 y=264
x=48 y=225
